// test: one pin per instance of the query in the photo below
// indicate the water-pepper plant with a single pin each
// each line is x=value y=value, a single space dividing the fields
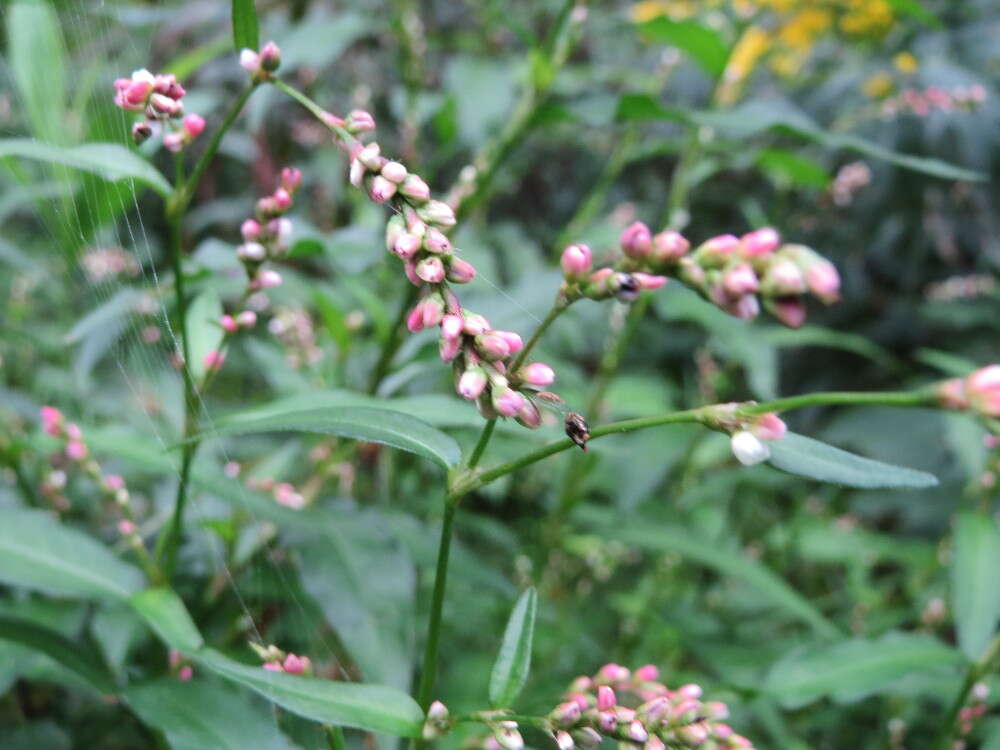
x=396 y=379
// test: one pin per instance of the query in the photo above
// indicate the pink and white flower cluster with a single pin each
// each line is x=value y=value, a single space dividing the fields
x=488 y=368
x=159 y=98
x=978 y=391
x=922 y=102
x=735 y=273
x=276 y=660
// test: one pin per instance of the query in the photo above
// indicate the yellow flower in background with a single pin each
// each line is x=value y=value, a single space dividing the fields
x=675 y=10
x=802 y=30
x=878 y=86
x=866 y=17
x=905 y=63
x=748 y=50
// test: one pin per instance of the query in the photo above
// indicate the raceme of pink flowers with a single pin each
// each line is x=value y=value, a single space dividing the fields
x=979 y=391
x=159 y=99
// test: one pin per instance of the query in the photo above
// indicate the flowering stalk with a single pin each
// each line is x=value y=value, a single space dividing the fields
x=977 y=671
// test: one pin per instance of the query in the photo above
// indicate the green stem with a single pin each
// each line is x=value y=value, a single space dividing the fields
x=393 y=342
x=428 y=673
x=535 y=93
x=471 y=482
x=334 y=738
x=557 y=309
x=484 y=438
x=977 y=671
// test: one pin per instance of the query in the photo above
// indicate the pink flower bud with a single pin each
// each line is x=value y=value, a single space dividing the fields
x=607 y=721
x=437 y=711
x=566 y=714
x=431 y=270
x=537 y=373
x=359 y=121
x=268 y=279
x=438 y=212
x=436 y=241
x=280 y=229
x=783 y=278
x=982 y=388
x=605 y=698
x=433 y=308
x=449 y=348
x=472 y=383
x=715 y=710
x=716 y=251
x=214 y=360
x=475 y=323
x=654 y=743
x=381 y=189
x=250 y=230
x=114 y=482
x=282 y=199
x=564 y=741
x=823 y=280
x=164 y=105
x=52 y=420
x=692 y=735
x=654 y=710
x=415 y=188
x=270 y=57
x=791 y=311
x=637 y=732
x=291 y=179
x=410 y=269
x=612 y=673
x=173 y=142
x=759 y=243
x=587 y=737
x=636 y=240
x=649 y=281
x=514 y=342
x=228 y=324
x=73 y=431
x=296 y=664
x=406 y=245
x=126 y=527
x=371 y=157
x=507 y=402
x=246 y=319
x=250 y=61
x=768 y=427
x=722 y=731
x=460 y=271
x=492 y=347
x=576 y=260
x=251 y=251
x=740 y=279
x=75 y=450
x=647 y=673
x=749 y=450
x=529 y=416
x=415 y=320
x=272 y=666
x=451 y=326
x=357 y=173
x=394 y=172
x=669 y=246
x=193 y=126
x=185 y=673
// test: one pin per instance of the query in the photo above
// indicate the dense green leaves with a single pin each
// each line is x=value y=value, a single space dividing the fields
x=371 y=424
x=108 y=161
x=975 y=581
x=806 y=457
x=854 y=669
x=198 y=715
x=245 y=31
x=38 y=552
x=372 y=707
x=35 y=49
x=513 y=662
x=59 y=648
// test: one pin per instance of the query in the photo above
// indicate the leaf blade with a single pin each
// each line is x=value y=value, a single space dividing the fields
x=701 y=43
x=798 y=454
x=59 y=648
x=246 y=34
x=166 y=614
x=368 y=423
x=513 y=662
x=974 y=587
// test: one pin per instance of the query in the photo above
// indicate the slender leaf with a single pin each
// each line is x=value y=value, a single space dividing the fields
x=245 y=32
x=198 y=715
x=510 y=670
x=166 y=614
x=704 y=45
x=109 y=161
x=58 y=648
x=975 y=585
x=371 y=424
x=797 y=454
x=853 y=669
x=710 y=554
x=372 y=707
x=204 y=332
x=38 y=552
x=35 y=49
x=915 y=9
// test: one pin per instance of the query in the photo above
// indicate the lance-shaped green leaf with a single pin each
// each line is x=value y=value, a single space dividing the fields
x=58 y=648
x=510 y=670
x=204 y=331
x=371 y=424
x=855 y=668
x=346 y=704
x=797 y=454
x=38 y=552
x=975 y=587
x=245 y=32
x=704 y=45
x=196 y=715
x=109 y=161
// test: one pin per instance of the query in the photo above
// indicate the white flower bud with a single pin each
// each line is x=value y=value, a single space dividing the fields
x=748 y=448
